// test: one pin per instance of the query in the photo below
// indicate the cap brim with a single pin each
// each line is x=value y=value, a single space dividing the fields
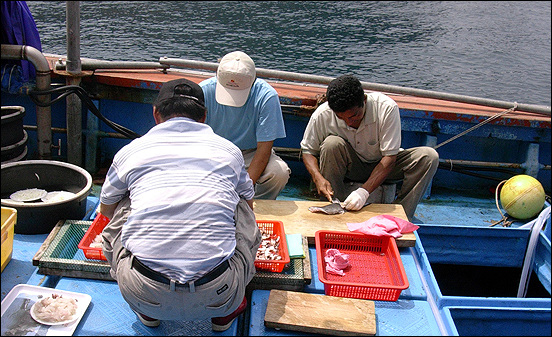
x=235 y=98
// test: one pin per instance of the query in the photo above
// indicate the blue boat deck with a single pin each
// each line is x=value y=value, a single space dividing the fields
x=422 y=309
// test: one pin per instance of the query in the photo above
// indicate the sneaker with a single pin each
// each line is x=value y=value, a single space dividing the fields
x=147 y=321
x=223 y=323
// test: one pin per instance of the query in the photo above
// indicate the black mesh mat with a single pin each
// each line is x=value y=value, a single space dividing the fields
x=291 y=278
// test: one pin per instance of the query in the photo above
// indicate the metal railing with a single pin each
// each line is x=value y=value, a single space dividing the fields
x=292 y=76
x=165 y=62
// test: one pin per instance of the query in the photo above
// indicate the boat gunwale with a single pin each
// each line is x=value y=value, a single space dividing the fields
x=306 y=95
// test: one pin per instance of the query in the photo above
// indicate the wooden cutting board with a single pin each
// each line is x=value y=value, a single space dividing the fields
x=322 y=314
x=297 y=218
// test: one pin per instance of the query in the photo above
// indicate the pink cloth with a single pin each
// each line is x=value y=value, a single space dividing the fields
x=383 y=225
x=336 y=262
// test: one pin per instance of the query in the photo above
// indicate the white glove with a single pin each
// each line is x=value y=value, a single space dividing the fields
x=356 y=199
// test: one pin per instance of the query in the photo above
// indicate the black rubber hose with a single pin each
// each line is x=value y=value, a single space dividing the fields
x=83 y=95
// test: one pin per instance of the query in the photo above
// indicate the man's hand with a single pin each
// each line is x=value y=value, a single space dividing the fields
x=324 y=188
x=259 y=161
x=356 y=199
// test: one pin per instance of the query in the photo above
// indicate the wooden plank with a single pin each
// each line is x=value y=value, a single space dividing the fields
x=314 y=313
x=306 y=262
x=298 y=219
x=75 y=273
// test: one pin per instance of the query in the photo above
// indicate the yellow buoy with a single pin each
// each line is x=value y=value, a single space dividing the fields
x=522 y=196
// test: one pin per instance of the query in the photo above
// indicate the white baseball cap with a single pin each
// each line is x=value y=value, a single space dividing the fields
x=235 y=76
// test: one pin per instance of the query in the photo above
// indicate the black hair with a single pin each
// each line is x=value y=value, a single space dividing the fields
x=344 y=93
x=183 y=104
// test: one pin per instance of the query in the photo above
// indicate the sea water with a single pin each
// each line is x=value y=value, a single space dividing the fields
x=491 y=49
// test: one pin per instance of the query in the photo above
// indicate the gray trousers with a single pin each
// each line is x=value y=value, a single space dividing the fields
x=415 y=166
x=217 y=298
x=273 y=179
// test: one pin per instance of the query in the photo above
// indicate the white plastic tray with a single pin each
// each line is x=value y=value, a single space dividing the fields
x=16 y=317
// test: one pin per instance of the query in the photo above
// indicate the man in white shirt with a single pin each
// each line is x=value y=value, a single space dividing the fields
x=356 y=136
x=182 y=237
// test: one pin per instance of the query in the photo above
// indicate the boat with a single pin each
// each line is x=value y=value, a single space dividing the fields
x=468 y=272
x=471 y=138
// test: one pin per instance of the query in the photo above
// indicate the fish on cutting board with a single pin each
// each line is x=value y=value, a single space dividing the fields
x=331 y=209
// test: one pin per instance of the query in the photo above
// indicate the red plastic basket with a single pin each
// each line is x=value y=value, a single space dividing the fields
x=274 y=227
x=95 y=228
x=375 y=273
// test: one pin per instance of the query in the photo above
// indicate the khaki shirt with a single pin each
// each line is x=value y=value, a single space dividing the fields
x=378 y=135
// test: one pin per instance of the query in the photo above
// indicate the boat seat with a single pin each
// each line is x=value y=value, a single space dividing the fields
x=390 y=190
x=384 y=194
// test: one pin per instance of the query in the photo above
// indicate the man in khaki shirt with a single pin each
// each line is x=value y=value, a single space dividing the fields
x=356 y=136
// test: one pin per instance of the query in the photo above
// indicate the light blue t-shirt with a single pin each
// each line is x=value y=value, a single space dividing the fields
x=258 y=120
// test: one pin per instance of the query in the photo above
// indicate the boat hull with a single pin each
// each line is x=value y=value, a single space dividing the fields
x=516 y=143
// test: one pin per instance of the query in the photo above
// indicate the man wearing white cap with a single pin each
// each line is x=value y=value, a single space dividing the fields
x=246 y=110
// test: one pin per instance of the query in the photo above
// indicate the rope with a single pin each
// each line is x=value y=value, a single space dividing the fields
x=496 y=198
x=490 y=119
x=504 y=221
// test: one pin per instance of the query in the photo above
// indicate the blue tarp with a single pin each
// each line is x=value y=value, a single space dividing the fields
x=18 y=28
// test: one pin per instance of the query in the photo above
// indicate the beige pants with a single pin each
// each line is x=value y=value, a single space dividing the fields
x=217 y=298
x=415 y=166
x=273 y=179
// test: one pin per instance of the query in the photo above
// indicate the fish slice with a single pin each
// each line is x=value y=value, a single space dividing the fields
x=331 y=209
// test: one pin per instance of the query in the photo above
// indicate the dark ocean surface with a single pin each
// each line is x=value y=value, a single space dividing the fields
x=497 y=50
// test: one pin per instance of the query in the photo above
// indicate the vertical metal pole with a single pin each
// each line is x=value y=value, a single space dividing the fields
x=532 y=165
x=74 y=106
x=44 y=116
x=430 y=141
